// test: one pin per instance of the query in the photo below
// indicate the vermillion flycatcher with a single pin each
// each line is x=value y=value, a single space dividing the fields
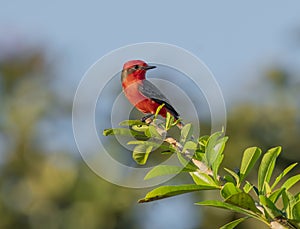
x=141 y=93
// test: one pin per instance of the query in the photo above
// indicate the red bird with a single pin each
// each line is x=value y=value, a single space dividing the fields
x=141 y=93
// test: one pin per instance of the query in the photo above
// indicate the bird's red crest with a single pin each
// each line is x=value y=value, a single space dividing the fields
x=131 y=63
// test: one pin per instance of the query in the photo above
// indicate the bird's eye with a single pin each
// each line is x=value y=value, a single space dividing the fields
x=136 y=67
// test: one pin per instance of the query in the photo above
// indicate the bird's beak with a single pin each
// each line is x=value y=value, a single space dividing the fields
x=148 y=67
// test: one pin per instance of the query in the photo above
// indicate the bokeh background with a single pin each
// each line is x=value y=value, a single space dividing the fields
x=252 y=48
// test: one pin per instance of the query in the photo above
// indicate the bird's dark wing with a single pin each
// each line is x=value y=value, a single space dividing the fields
x=151 y=91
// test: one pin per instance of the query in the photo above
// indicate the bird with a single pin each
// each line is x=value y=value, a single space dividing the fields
x=141 y=93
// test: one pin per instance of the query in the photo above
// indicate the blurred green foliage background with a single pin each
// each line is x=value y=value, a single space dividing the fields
x=43 y=186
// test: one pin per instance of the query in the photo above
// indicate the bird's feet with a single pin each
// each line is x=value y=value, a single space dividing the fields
x=146 y=117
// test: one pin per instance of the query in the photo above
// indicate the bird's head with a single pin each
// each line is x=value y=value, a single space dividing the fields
x=135 y=70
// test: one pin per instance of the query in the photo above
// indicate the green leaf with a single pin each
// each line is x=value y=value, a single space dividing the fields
x=275 y=195
x=122 y=131
x=269 y=207
x=158 y=110
x=229 y=189
x=296 y=211
x=288 y=200
x=145 y=143
x=169 y=121
x=186 y=133
x=228 y=206
x=266 y=167
x=140 y=128
x=203 y=179
x=234 y=175
x=174 y=123
x=250 y=157
x=285 y=201
x=291 y=182
x=247 y=187
x=200 y=156
x=162 y=170
x=267 y=188
x=216 y=165
x=136 y=125
x=215 y=147
x=200 y=152
x=153 y=132
x=234 y=223
x=165 y=148
x=189 y=145
x=243 y=200
x=187 y=164
x=203 y=140
x=297 y=196
x=210 y=152
x=132 y=123
x=229 y=178
x=141 y=153
x=203 y=143
x=281 y=175
x=168 y=191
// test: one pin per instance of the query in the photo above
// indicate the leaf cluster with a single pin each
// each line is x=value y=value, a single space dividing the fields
x=201 y=158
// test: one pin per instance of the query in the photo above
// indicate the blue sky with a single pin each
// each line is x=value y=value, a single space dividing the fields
x=233 y=38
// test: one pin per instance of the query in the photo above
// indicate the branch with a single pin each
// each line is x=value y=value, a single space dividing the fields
x=203 y=168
